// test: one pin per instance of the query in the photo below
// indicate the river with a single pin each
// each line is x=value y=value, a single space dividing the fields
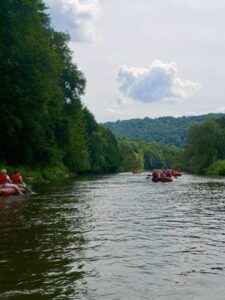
x=115 y=237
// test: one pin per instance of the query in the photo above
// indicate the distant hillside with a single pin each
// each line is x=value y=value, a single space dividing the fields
x=168 y=130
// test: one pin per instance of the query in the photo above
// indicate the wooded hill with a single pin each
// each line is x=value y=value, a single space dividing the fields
x=168 y=130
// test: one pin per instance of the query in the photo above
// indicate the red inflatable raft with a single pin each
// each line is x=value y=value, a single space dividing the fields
x=162 y=179
x=176 y=173
x=8 y=191
x=161 y=176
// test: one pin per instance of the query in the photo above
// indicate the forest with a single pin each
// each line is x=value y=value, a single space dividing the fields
x=205 y=150
x=167 y=130
x=140 y=155
x=43 y=121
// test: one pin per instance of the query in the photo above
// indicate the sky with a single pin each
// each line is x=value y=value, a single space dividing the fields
x=146 y=58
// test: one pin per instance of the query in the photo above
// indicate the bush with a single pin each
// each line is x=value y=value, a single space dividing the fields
x=217 y=168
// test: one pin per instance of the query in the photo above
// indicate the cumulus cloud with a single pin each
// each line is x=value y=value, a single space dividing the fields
x=158 y=82
x=76 y=17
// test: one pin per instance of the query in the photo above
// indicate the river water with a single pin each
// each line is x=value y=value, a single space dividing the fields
x=115 y=237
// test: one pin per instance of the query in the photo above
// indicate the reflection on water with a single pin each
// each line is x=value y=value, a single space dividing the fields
x=115 y=237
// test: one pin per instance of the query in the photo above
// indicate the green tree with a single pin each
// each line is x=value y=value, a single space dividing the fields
x=205 y=146
x=42 y=117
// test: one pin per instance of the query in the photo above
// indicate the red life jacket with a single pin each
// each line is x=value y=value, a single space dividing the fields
x=16 y=178
x=155 y=173
x=3 y=178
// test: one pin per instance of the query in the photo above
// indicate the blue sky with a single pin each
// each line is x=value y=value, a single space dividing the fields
x=147 y=58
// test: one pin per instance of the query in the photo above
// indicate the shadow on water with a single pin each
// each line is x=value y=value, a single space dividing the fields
x=39 y=251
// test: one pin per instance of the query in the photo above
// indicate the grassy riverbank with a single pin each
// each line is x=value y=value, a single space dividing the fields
x=36 y=173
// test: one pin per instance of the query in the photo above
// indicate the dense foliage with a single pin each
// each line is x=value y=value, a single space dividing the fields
x=43 y=121
x=205 y=152
x=139 y=155
x=167 y=130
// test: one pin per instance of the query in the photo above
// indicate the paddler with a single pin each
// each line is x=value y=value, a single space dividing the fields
x=5 y=181
x=18 y=180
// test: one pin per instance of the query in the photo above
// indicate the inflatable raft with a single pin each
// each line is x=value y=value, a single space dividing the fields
x=161 y=176
x=162 y=179
x=176 y=173
x=8 y=191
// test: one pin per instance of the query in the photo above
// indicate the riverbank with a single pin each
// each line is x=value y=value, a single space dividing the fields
x=38 y=173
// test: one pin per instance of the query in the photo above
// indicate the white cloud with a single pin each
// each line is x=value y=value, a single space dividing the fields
x=158 y=82
x=77 y=17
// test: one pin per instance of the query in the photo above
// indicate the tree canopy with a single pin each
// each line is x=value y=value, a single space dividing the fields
x=137 y=154
x=43 y=121
x=205 y=151
x=166 y=130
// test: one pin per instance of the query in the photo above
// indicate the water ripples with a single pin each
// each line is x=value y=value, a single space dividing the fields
x=115 y=237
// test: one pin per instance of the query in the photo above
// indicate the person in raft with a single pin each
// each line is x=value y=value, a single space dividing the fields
x=5 y=181
x=18 y=180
